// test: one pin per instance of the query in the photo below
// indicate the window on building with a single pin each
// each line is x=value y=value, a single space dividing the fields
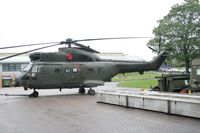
x=11 y=67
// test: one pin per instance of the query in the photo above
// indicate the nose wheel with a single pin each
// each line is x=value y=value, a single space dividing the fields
x=81 y=90
x=34 y=94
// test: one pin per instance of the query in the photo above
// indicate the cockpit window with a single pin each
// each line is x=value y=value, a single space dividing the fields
x=27 y=68
x=34 y=69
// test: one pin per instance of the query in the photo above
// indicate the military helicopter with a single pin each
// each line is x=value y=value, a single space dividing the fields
x=75 y=67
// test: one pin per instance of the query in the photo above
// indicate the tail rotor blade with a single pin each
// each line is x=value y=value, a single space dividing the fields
x=152 y=49
x=159 y=45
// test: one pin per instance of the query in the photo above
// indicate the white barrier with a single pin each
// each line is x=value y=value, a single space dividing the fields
x=186 y=105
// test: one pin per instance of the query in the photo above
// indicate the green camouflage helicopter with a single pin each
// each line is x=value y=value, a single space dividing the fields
x=75 y=67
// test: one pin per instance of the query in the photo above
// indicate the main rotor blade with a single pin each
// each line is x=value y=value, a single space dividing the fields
x=28 y=51
x=73 y=41
x=28 y=45
x=95 y=39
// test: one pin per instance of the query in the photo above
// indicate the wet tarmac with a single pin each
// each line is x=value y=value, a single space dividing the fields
x=70 y=112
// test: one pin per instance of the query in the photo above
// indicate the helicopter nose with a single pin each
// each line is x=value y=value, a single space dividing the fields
x=20 y=79
x=17 y=82
x=24 y=76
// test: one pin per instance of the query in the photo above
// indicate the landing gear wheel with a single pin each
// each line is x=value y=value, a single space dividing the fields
x=82 y=90
x=34 y=94
x=25 y=88
x=91 y=92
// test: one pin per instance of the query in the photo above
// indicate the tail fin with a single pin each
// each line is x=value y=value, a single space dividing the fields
x=157 y=62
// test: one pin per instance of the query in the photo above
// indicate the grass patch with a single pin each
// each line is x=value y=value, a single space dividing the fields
x=145 y=84
x=135 y=80
x=134 y=76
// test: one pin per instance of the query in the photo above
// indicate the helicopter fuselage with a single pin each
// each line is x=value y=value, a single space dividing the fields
x=42 y=75
x=76 y=68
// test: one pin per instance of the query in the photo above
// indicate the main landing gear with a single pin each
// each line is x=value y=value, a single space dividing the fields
x=81 y=91
x=34 y=94
x=90 y=91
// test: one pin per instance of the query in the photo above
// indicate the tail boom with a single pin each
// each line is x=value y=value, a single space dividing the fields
x=142 y=66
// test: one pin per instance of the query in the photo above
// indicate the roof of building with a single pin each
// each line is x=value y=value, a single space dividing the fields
x=19 y=59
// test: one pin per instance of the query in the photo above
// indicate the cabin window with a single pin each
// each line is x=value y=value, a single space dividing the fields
x=75 y=70
x=67 y=70
x=198 y=71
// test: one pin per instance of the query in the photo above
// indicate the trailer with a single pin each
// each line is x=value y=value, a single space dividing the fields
x=195 y=75
x=173 y=82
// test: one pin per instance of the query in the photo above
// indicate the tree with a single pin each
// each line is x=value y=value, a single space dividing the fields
x=179 y=31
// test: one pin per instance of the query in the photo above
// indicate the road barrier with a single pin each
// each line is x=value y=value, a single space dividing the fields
x=170 y=103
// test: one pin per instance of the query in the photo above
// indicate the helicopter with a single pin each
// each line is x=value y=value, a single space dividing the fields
x=76 y=66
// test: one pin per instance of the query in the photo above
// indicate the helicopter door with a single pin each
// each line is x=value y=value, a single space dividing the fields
x=48 y=75
x=73 y=75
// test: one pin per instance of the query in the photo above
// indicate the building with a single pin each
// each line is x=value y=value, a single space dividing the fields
x=10 y=68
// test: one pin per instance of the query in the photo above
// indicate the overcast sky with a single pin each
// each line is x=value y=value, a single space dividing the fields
x=35 y=21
